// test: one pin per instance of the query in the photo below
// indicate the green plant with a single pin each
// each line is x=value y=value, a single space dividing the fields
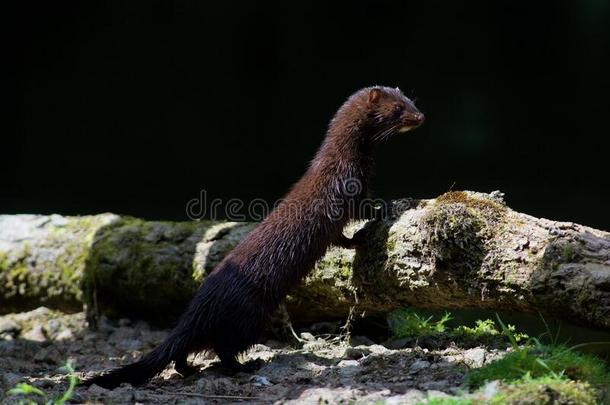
x=27 y=390
x=487 y=332
x=408 y=323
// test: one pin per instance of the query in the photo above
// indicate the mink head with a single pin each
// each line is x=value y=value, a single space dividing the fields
x=379 y=112
x=390 y=112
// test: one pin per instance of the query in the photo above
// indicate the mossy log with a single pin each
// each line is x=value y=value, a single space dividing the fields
x=462 y=249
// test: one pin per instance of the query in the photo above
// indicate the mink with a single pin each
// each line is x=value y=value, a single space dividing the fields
x=230 y=309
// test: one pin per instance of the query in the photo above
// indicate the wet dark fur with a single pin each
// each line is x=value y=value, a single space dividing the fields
x=231 y=307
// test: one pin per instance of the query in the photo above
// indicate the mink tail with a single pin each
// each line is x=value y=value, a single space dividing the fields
x=175 y=347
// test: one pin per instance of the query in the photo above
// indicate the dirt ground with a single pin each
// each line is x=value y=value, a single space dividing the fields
x=322 y=369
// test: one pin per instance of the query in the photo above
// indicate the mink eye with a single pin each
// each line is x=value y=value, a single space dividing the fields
x=398 y=108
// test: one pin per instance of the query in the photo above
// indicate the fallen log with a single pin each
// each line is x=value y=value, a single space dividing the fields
x=462 y=249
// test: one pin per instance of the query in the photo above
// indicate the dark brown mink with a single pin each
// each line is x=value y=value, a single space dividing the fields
x=232 y=306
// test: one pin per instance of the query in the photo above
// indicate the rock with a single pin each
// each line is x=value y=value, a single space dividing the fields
x=36 y=314
x=64 y=334
x=36 y=334
x=348 y=368
x=378 y=349
x=260 y=381
x=53 y=326
x=300 y=377
x=490 y=389
x=356 y=353
x=412 y=396
x=474 y=357
x=103 y=325
x=201 y=385
x=440 y=385
x=48 y=355
x=11 y=379
x=223 y=386
x=130 y=345
x=43 y=383
x=437 y=394
x=121 y=395
x=9 y=327
x=308 y=337
x=418 y=365
x=96 y=390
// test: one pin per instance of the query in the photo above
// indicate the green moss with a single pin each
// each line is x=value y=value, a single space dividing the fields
x=486 y=205
x=467 y=215
x=527 y=391
x=540 y=361
x=545 y=390
x=569 y=253
x=390 y=245
x=134 y=265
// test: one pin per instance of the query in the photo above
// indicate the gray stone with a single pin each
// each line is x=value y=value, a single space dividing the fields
x=432 y=393
x=356 y=353
x=348 y=368
x=412 y=396
x=440 y=385
x=96 y=390
x=9 y=327
x=308 y=337
x=48 y=355
x=53 y=326
x=474 y=357
x=35 y=334
x=11 y=379
x=65 y=334
x=130 y=344
x=418 y=365
x=260 y=381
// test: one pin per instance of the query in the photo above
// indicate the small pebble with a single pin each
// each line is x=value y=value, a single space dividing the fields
x=260 y=381
x=308 y=337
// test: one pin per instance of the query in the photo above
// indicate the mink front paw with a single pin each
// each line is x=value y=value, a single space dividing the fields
x=358 y=240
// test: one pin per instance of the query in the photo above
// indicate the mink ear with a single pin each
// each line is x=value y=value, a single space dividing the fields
x=374 y=95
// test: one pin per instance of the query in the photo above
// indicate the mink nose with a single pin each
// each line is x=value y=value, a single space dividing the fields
x=419 y=118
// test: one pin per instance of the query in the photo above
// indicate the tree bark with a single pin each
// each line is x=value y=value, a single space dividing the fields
x=460 y=250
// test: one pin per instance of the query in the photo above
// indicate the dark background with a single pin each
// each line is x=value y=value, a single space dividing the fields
x=135 y=106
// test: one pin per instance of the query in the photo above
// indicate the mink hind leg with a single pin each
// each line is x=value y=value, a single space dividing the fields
x=182 y=366
x=230 y=365
x=228 y=353
x=242 y=338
